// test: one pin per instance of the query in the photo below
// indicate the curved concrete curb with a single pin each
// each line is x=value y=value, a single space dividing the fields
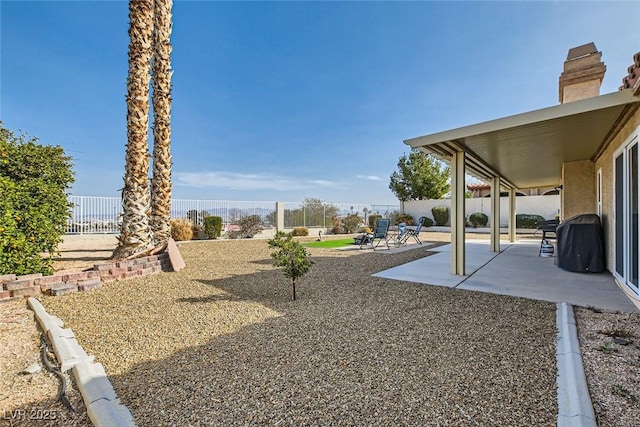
x=103 y=406
x=574 y=403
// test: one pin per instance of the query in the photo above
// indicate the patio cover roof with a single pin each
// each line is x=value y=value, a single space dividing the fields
x=527 y=150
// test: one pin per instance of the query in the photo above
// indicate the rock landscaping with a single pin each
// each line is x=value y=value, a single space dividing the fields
x=220 y=343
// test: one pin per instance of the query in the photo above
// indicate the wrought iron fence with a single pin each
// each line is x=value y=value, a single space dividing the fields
x=92 y=215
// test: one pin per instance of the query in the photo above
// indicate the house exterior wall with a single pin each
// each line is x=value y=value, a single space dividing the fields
x=605 y=162
x=579 y=188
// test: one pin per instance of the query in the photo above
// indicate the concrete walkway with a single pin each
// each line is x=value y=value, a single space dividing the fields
x=516 y=271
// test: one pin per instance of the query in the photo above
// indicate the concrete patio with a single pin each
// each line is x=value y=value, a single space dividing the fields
x=516 y=271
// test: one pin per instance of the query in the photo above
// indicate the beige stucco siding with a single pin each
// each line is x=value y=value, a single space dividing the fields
x=579 y=189
x=605 y=161
x=582 y=90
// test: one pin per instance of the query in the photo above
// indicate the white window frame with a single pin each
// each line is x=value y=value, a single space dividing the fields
x=632 y=139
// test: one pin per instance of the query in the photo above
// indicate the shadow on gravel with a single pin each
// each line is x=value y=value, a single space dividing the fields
x=352 y=350
x=357 y=350
x=208 y=298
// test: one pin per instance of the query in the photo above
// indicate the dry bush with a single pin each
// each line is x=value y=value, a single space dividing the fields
x=300 y=231
x=181 y=229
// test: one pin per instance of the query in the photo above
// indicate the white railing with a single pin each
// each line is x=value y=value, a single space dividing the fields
x=298 y=214
x=92 y=215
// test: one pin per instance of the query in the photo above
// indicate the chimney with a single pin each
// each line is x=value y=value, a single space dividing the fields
x=583 y=73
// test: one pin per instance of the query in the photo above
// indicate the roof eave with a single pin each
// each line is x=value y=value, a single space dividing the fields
x=590 y=104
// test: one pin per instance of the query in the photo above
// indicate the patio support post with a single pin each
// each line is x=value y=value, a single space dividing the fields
x=495 y=214
x=279 y=216
x=512 y=214
x=457 y=214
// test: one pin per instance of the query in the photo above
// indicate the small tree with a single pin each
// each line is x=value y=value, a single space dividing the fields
x=291 y=256
x=420 y=176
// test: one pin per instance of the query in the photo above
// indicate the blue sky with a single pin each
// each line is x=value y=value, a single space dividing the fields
x=279 y=101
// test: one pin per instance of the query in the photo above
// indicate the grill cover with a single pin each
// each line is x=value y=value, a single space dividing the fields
x=580 y=244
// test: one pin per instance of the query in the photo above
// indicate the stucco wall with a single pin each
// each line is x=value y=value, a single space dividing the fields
x=582 y=90
x=605 y=161
x=579 y=188
x=546 y=206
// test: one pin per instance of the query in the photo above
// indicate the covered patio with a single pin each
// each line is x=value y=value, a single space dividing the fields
x=516 y=271
x=527 y=150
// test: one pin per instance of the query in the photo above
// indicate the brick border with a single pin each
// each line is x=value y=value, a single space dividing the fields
x=13 y=288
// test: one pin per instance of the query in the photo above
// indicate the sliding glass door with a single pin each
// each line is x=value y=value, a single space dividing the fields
x=627 y=255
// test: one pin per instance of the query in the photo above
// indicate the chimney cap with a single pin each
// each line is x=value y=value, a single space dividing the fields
x=582 y=51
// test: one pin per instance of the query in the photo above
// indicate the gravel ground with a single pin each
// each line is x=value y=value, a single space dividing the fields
x=221 y=343
x=610 y=345
x=227 y=346
x=30 y=399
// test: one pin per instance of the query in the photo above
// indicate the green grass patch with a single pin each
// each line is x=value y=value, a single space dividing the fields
x=333 y=243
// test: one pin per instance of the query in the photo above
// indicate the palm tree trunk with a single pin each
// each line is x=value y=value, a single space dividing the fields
x=135 y=235
x=161 y=182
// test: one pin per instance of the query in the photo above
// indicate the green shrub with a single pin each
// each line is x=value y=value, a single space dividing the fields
x=213 y=226
x=351 y=223
x=300 y=231
x=250 y=226
x=372 y=220
x=528 y=220
x=478 y=219
x=440 y=215
x=428 y=222
x=181 y=229
x=404 y=217
x=34 y=208
x=291 y=256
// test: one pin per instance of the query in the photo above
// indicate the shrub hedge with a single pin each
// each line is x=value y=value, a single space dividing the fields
x=478 y=219
x=528 y=220
x=300 y=231
x=404 y=217
x=440 y=215
x=34 y=207
x=213 y=226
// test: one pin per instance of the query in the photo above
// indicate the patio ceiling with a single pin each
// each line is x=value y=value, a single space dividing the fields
x=528 y=150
